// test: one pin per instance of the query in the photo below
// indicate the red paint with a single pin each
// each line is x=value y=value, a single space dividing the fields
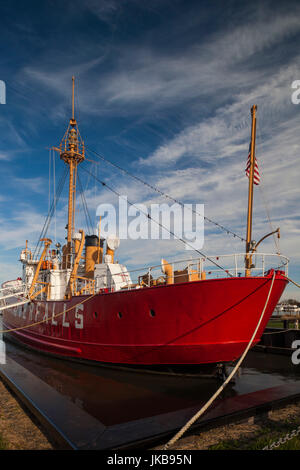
x=197 y=322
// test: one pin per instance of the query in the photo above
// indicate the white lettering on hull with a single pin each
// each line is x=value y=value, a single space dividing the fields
x=45 y=317
x=31 y=309
x=37 y=310
x=54 y=322
x=79 y=316
x=32 y=312
x=65 y=323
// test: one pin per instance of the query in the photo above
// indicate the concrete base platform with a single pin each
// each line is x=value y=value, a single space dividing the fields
x=72 y=427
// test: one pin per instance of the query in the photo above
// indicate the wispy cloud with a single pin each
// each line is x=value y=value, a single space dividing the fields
x=104 y=9
x=36 y=185
x=169 y=100
x=4 y=156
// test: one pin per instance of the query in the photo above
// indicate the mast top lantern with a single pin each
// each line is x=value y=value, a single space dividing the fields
x=71 y=150
x=71 y=147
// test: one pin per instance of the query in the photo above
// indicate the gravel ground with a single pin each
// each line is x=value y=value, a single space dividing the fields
x=251 y=434
x=19 y=430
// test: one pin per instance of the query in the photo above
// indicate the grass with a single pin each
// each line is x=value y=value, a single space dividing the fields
x=264 y=437
x=3 y=444
x=275 y=324
x=280 y=324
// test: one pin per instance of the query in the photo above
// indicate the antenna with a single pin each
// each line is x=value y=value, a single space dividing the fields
x=73 y=89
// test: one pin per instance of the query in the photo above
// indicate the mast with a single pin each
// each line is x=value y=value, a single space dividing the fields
x=71 y=151
x=248 y=258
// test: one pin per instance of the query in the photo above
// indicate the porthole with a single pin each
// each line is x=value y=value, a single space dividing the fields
x=120 y=315
x=152 y=313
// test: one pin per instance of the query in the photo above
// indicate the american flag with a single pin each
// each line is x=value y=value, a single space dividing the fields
x=256 y=176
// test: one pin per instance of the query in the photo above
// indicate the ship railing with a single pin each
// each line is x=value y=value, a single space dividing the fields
x=84 y=285
x=12 y=286
x=12 y=290
x=41 y=291
x=191 y=269
x=184 y=270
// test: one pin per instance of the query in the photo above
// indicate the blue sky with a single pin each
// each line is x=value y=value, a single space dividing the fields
x=164 y=89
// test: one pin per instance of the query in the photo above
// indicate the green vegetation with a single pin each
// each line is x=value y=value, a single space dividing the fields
x=275 y=324
x=266 y=436
x=279 y=324
x=3 y=444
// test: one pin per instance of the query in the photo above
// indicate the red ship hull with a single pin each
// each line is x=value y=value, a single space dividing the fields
x=199 y=322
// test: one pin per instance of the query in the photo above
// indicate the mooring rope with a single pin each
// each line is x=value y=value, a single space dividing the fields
x=199 y=413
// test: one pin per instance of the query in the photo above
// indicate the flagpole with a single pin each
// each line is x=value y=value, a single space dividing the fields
x=248 y=258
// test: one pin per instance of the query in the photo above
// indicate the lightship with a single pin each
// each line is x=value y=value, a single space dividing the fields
x=78 y=302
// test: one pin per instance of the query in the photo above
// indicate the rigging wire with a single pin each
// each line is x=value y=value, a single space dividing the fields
x=54 y=185
x=105 y=185
x=50 y=213
x=228 y=231
x=88 y=219
x=220 y=226
x=52 y=209
x=275 y=239
x=266 y=205
x=49 y=182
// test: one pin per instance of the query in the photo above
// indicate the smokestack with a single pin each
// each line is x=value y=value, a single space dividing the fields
x=91 y=254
